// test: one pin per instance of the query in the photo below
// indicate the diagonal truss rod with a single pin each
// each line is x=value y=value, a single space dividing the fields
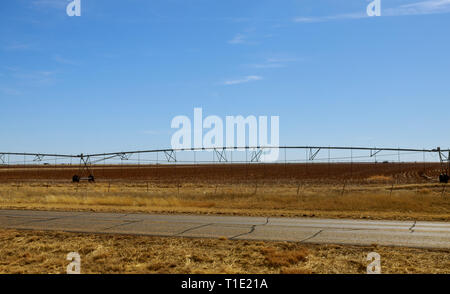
x=444 y=158
x=313 y=153
x=374 y=152
x=170 y=155
x=256 y=155
x=221 y=155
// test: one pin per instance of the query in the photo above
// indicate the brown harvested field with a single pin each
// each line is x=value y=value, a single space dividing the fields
x=318 y=173
x=45 y=252
x=376 y=191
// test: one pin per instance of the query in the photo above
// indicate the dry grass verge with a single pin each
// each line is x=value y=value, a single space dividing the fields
x=45 y=252
x=374 y=201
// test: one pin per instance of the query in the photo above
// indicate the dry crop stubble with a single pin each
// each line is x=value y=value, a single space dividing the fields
x=45 y=252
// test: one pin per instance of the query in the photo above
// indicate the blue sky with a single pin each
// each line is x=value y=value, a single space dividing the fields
x=113 y=78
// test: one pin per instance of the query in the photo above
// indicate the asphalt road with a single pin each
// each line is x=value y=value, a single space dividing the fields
x=307 y=230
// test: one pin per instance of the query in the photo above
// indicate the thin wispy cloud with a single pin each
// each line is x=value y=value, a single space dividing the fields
x=417 y=8
x=237 y=19
x=243 y=37
x=267 y=65
x=330 y=18
x=56 y=4
x=31 y=77
x=238 y=39
x=274 y=63
x=17 y=46
x=420 y=8
x=150 y=132
x=244 y=80
x=9 y=91
x=109 y=55
x=62 y=60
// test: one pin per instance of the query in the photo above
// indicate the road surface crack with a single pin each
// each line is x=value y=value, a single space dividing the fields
x=411 y=229
x=190 y=229
x=312 y=236
x=48 y=219
x=123 y=224
x=252 y=229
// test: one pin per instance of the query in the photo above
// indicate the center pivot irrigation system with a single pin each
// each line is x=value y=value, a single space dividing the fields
x=85 y=172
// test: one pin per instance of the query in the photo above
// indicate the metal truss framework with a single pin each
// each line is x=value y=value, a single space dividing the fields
x=221 y=155
x=87 y=160
x=256 y=155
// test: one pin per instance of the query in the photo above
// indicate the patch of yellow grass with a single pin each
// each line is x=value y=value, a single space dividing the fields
x=380 y=179
x=279 y=258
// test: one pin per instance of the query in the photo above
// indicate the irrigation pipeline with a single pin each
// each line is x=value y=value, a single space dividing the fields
x=86 y=160
x=373 y=150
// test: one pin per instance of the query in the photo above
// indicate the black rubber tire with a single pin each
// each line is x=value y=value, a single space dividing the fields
x=75 y=179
